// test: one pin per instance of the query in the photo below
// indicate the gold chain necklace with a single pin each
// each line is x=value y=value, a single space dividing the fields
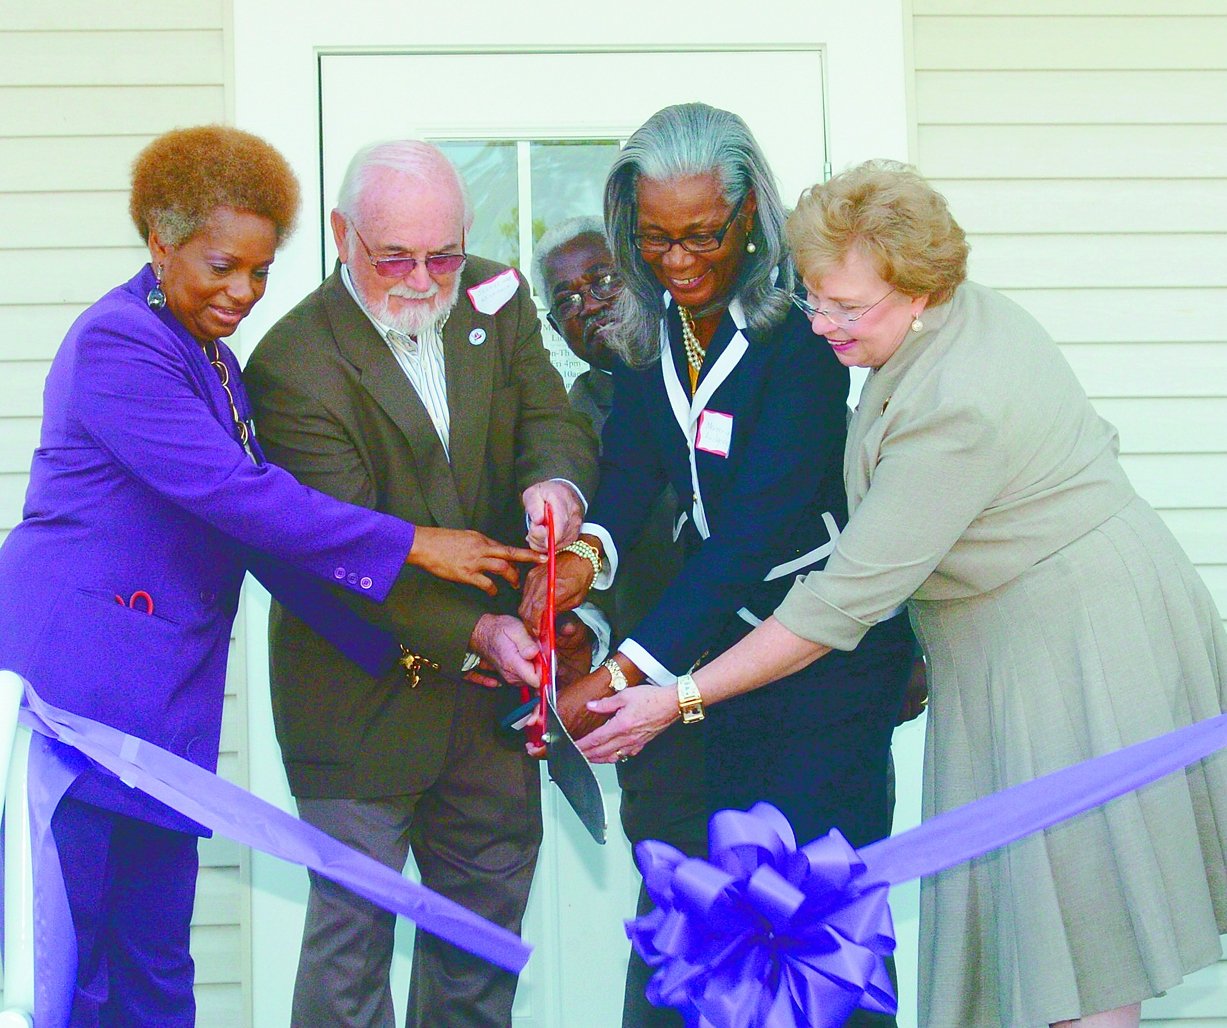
x=694 y=352
x=213 y=353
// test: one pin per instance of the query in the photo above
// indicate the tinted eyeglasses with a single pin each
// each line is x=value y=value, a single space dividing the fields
x=700 y=242
x=401 y=267
x=837 y=315
x=568 y=305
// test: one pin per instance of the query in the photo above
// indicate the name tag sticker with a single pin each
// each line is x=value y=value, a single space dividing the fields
x=490 y=296
x=715 y=433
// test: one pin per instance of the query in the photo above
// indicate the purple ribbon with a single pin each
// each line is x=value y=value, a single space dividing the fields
x=57 y=759
x=764 y=934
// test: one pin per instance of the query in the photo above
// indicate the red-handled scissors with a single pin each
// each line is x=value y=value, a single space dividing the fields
x=140 y=594
x=535 y=731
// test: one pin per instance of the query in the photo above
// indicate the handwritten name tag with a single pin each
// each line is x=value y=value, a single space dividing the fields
x=490 y=296
x=715 y=433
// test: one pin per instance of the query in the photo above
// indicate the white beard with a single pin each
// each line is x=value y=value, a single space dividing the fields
x=429 y=311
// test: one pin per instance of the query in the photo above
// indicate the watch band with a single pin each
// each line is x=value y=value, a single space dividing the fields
x=689 y=700
x=590 y=553
x=617 y=677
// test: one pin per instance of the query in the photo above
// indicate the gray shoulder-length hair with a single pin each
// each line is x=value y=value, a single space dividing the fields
x=679 y=141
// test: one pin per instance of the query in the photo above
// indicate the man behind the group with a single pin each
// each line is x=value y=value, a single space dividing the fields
x=574 y=274
x=416 y=383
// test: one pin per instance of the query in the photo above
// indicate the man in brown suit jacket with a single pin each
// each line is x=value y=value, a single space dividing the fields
x=415 y=382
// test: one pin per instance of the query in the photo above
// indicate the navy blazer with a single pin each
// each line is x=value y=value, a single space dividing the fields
x=768 y=508
x=140 y=484
x=763 y=500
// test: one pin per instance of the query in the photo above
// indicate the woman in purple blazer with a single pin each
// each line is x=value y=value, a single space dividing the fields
x=148 y=500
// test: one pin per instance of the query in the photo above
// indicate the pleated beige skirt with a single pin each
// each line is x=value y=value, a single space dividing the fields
x=1112 y=640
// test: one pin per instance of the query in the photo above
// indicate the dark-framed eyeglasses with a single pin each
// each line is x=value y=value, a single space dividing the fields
x=402 y=267
x=699 y=242
x=607 y=287
x=836 y=315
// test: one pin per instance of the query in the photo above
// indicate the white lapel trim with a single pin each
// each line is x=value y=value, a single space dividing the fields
x=679 y=398
x=686 y=411
x=724 y=366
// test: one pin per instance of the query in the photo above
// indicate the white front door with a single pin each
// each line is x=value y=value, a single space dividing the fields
x=534 y=146
x=532 y=109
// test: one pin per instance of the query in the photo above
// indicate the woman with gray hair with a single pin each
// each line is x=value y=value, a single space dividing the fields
x=727 y=399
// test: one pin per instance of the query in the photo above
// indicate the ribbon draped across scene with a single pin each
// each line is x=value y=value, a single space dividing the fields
x=766 y=935
x=58 y=750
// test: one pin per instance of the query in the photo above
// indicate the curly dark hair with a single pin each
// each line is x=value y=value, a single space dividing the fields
x=180 y=178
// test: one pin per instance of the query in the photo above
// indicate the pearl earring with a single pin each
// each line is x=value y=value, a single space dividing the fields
x=750 y=247
x=917 y=324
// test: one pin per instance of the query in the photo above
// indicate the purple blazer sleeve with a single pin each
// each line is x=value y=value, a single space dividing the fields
x=148 y=397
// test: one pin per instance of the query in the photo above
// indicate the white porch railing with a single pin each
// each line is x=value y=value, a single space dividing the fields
x=18 y=878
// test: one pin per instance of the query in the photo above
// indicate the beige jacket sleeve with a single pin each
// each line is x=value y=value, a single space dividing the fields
x=936 y=474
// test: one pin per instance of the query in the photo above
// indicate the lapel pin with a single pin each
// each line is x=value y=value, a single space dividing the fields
x=477 y=336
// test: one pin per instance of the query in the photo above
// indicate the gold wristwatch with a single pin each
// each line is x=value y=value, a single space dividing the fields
x=617 y=677
x=689 y=700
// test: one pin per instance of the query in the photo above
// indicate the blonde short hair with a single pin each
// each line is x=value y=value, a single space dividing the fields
x=891 y=214
x=180 y=178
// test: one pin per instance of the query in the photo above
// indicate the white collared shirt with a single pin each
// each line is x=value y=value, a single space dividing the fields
x=422 y=362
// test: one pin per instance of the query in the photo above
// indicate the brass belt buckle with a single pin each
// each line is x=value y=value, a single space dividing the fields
x=413 y=664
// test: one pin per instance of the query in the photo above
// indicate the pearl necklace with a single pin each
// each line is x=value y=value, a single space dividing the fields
x=694 y=352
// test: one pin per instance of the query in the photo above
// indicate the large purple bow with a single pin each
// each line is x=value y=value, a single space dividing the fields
x=764 y=933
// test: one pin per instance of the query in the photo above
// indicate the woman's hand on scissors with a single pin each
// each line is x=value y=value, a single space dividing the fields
x=636 y=716
x=468 y=557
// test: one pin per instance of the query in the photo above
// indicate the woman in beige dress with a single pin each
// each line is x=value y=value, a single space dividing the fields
x=1059 y=617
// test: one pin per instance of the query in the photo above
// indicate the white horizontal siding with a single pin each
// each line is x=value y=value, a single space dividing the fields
x=84 y=86
x=125 y=110
x=1074 y=151
x=87 y=218
x=1079 y=206
x=1075 y=97
x=1070 y=261
x=1082 y=8
x=41 y=279
x=18 y=437
x=59 y=59
x=1150 y=369
x=1159 y=425
x=1200 y=534
x=1000 y=41
x=1120 y=315
x=81 y=15
x=1083 y=146
x=35 y=330
x=23 y=382
x=38 y=165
